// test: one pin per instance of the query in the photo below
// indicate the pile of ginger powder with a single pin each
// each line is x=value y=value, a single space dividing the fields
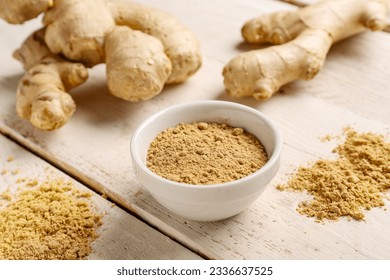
x=357 y=180
x=46 y=220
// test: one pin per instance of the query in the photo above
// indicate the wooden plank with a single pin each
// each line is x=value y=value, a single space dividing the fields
x=121 y=236
x=352 y=89
x=303 y=3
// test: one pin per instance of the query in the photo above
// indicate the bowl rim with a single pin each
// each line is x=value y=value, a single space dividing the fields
x=271 y=161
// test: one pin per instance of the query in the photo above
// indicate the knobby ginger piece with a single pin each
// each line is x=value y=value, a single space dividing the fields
x=304 y=37
x=144 y=49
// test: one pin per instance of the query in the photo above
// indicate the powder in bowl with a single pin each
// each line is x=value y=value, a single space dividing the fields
x=203 y=153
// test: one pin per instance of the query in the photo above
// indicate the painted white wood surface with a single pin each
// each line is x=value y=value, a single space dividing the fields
x=352 y=89
x=121 y=236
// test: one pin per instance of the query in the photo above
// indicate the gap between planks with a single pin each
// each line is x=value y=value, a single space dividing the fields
x=301 y=4
x=111 y=197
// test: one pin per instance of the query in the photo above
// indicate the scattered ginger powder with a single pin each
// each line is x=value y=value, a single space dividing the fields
x=205 y=153
x=357 y=180
x=52 y=221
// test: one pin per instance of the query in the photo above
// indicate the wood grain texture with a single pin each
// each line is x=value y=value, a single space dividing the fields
x=121 y=236
x=352 y=89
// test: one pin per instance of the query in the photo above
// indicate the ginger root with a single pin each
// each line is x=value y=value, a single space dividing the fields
x=304 y=37
x=143 y=49
x=17 y=12
x=42 y=96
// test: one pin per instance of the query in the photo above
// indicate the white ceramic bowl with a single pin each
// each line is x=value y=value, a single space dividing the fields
x=207 y=202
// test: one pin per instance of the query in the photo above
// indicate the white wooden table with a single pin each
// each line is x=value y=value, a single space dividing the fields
x=353 y=89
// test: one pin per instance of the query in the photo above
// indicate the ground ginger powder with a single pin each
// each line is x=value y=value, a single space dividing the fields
x=205 y=153
x=358 y=180
x=51 y=221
